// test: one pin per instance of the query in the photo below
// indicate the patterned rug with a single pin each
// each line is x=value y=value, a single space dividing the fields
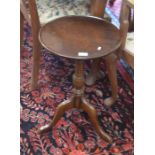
x=73 y=134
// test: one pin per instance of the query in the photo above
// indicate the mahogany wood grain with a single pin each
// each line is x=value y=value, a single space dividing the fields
x=110 y=61
x=124 y=26
x=121 y=53
x=36 y=44
x=98 y=7
x=95 y=73
x=92 y=113
x=89 y=35
x=77 y=101
x=62 y=107
x=125 y=12
x=94 y=36
x=33 y=21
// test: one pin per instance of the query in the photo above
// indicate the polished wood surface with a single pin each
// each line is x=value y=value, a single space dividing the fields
x=130 y=6
x=98 y=7
x=31 y=16
x=124 y=26
x=80 y=37
x=35 y=23
x=95 y=74
x=67 y=36
x=110 y=61
x=122 y=53
x=77 y=101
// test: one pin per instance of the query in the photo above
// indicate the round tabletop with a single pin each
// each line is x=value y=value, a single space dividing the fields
x=80 y=37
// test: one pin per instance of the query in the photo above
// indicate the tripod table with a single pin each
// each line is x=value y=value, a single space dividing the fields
x=79 y=38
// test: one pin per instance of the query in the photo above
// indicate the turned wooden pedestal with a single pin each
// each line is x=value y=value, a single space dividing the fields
x=77 y=101
x=80 y=38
